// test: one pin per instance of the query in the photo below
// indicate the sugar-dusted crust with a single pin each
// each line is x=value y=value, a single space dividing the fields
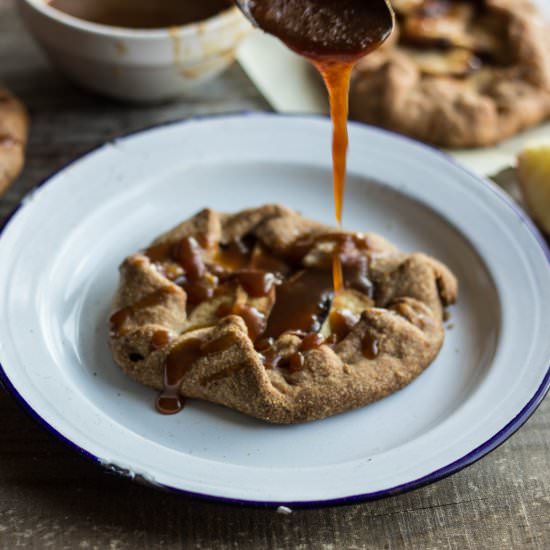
x=14 y=126
x=491 y=104
x=406 y=322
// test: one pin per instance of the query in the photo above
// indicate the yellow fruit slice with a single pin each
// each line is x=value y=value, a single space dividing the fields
x=534 y=180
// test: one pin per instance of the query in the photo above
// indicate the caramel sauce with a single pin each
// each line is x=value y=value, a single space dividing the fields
x=188 y=253
x=370 y=346
x=295 y=361
x=253 y=319
x=159 y=252
x=233 y=255
x=311 y=341
x=357 y=276
x=256 y=283
x=264 y=344
x=225 y=309
x=342 y=322
x=179 y=361
x=196 y=281
x=350 y=264
x=119 y=318
x=263 y=261
x=346 y=244
x=172 y=271
x=336 y=75
x=271 y=358
x=300 y=303
x=160 y=339
x=141 y=14
x=199 y=290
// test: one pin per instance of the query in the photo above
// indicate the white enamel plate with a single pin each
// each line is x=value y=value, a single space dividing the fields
x=59 y=255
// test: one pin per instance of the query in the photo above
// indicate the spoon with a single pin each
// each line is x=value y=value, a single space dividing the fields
x=343 y=30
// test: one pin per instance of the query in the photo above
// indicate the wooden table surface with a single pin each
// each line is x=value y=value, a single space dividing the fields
x=50 y=497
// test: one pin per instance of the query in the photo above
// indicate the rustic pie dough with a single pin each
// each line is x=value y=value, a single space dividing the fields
x=14 y=126
x=403 y=316
x=458 y=73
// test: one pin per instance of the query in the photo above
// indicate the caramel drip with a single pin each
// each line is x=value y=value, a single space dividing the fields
x=342 y=322
x=178 y=363
x=337 y=80
x=233 y=256
x=357 y=276
x=264 y=344
x=311 y=341
x=256 y=283
x=300 y=303
x=199 y=290
x=295 y=362
x=159 y=252
x=350 y=265
x=173 y=272
x=188 y=253
x=336 y=75
x=292 y=362
x=253 y=319
x=119 y=318
x=370 y=346
x=263 y=261
x=337 y=274
x=160 y=339
x=272 y=358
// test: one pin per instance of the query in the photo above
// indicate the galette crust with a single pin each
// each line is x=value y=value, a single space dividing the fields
x=491 y=104
x=14 y=126
x=406 y=321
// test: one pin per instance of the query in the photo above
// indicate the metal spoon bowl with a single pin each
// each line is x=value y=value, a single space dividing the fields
x=321 y=29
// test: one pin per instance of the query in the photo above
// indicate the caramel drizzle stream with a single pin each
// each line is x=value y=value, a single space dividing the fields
x=336 y=75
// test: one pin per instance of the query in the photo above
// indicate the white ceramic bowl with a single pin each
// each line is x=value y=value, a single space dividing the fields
x=137 y=65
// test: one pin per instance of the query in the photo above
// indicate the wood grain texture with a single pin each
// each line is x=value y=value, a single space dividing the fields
x=50 y=497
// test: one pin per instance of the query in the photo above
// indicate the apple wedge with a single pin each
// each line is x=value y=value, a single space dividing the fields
x=533 y=170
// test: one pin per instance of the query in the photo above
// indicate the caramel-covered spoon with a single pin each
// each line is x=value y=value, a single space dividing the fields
x=322 y=29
